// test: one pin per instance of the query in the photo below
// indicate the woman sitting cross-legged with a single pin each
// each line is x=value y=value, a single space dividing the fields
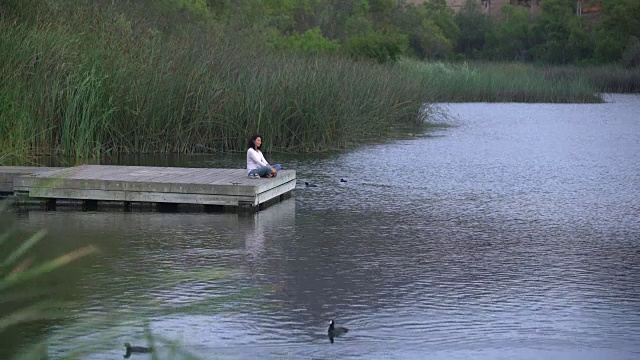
x=257 y=166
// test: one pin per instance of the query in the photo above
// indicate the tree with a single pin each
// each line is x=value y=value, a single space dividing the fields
x=474 y=26
x=430 y=28
x=550 y=31
x=620 y=23
x=558 y=35
x=349 y=19
x=510 y=38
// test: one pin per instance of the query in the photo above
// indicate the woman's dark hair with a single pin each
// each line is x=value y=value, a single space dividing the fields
x=252 y=141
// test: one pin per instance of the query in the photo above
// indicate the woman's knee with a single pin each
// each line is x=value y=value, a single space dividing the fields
x=264 y=171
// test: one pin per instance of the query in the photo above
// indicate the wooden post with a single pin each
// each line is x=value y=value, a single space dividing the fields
x=50 y=204
x=167 y=207
x=90 y=205
x=214 y=209
x=247 y=207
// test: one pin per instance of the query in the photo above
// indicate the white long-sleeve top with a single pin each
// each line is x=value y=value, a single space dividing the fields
x=255 y=159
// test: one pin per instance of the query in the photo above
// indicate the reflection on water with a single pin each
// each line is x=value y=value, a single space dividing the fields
x=513 y=234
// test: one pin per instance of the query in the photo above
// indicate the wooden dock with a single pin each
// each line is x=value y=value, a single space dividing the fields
x=167 y=186
x=9 y=173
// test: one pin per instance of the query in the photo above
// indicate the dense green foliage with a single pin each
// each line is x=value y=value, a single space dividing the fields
x=89 y=77
x=556 y=36
x=433 y=30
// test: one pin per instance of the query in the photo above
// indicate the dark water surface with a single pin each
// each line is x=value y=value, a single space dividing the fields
x=514 y=234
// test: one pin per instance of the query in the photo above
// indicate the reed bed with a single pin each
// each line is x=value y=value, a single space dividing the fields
x=117 y=90
x=500 y=82
x=607 y=79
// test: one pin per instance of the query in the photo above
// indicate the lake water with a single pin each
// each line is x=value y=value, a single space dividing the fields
x=513 y=234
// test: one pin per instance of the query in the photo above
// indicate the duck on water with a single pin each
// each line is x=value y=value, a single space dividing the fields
x=135 y=350
x=335 y=331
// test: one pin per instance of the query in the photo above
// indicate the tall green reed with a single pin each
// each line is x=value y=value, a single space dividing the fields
x=121 y=89
x=87 y=116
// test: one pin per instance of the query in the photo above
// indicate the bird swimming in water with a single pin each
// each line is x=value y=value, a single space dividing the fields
x=335 y=331
x=135 y=349
x=343 y=180
x=309 y=185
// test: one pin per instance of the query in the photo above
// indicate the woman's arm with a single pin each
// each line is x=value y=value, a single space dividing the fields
x=264 y=161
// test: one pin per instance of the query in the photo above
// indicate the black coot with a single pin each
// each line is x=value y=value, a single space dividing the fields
x=335 y=331
x=135 y=349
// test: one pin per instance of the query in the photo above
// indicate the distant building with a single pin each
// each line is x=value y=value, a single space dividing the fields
x=492 y=7
x=588 y=7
